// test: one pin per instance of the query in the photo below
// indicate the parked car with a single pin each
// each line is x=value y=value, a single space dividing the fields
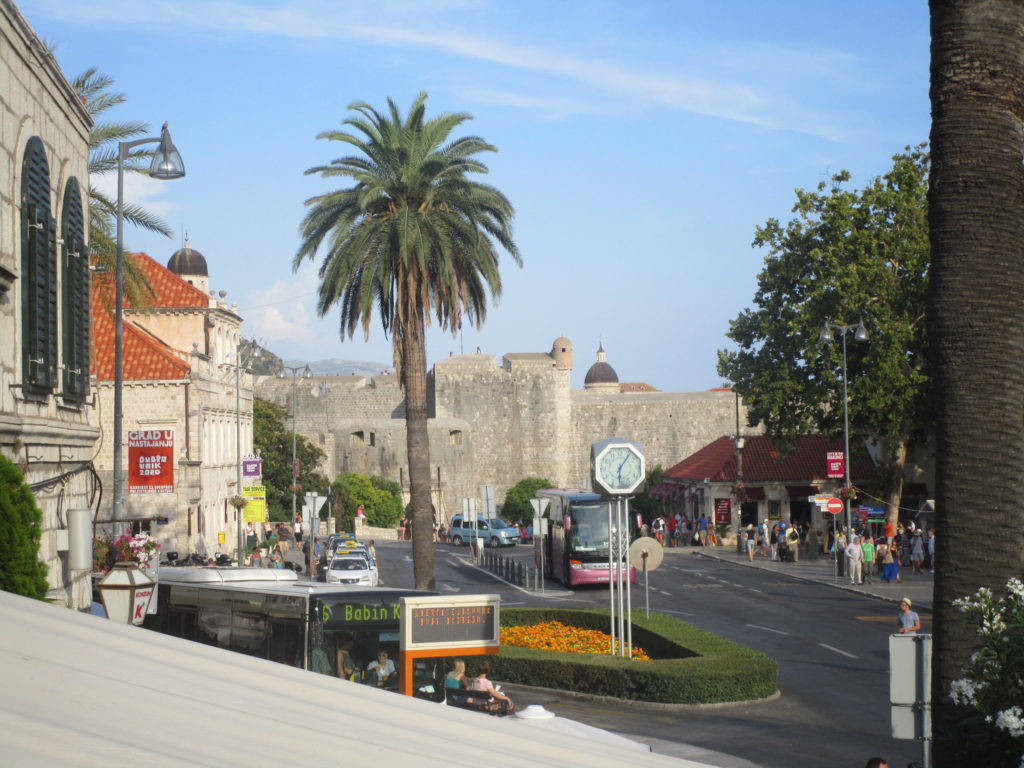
x=351 y=569
x=495 y=532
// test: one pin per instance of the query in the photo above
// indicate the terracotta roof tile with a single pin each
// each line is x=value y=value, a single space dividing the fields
x=145 y=357
x=761 y=462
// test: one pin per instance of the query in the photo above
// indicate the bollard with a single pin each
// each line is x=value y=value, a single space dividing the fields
x=519 y=574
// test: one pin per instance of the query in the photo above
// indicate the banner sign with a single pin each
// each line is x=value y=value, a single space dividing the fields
x=255 y=509
x=835 y=464
x=151 y=461
x=723 y=511
x=252 y=466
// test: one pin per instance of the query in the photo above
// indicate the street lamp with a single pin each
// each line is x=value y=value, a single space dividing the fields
x=254 y=354
x=306 y=373
x=166 y=165
x=860 y=333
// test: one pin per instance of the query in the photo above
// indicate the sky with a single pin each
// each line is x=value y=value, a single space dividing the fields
x=641 y=143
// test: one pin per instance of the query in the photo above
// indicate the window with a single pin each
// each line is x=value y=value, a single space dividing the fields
x=38 y=273
x=455 y=437
x=356 y=439
x=74 y=296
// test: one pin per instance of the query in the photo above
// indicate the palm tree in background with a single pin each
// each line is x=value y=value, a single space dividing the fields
x=413 y=237
x=94 y=89
x=976 y=328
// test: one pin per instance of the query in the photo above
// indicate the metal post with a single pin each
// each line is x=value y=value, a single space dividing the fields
x=627 y=578
x=118 y=511
x=238 y=453
x=846 y=440
x=611 y=582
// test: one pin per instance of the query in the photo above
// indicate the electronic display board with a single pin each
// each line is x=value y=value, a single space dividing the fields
x=463 y=621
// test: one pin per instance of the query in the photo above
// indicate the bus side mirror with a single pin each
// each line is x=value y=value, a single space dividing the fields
x=567 y=522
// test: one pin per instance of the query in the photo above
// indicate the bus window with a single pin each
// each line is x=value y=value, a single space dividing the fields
x=248 y=624
x=284 y=642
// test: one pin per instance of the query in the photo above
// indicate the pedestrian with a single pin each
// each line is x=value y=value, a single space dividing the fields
x=250 y=535
x=876 y=762
x=793 y=542
x=659 y=530
x=751 y=535
x=773 y=538
x=908 y=622
x=702 y=530
x=671 y=531
x=257 y=559
x=763 y=538
x=931 y=550
x=855 y=556
x=840 y=548
x=297 y=529
x=917 y=551
x=867 y=546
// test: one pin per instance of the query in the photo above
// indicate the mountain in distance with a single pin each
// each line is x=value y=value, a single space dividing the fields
x=337 y=367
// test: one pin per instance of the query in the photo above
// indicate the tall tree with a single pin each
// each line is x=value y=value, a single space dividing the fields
x=848 y=256
x=976 y=322
x=273 y=441
x=414 y=236
x=94 y=89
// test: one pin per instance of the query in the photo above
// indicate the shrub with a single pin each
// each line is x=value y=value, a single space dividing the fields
x=21 y=523
x=689 y=666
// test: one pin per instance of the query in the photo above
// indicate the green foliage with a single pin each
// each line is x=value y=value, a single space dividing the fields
x=642 y=503
x=21 y=523
x=848 y=256
x=688 y=666
x=517 y=499
x=381 y=500
x=274 y=443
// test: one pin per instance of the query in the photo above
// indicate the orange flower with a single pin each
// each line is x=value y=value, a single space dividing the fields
x=555 y=636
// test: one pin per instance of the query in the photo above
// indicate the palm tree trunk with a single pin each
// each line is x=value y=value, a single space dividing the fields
x=975 y=320
x=414 y=380
x=897 y=466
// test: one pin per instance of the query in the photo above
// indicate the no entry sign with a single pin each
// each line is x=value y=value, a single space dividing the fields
x=834 y=506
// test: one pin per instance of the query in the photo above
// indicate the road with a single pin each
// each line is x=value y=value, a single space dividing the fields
x=831 y=646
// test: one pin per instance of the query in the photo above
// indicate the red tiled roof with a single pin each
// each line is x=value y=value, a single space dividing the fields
x=145 y=357
x=761 y=462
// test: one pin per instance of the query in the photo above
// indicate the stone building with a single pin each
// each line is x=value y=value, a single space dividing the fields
x=179 y=378
x=45 y=417
x=495 y=423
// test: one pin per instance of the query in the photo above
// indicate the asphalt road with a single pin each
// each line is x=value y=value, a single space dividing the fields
x=831 y=646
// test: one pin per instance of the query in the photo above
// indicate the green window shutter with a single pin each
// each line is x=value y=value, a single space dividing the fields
x=39 y=272
x=74 y=297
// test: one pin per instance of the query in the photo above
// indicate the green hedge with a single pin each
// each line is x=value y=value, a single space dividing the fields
x=688 y=666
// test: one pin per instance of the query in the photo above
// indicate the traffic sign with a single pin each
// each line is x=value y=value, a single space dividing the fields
x=834 y=506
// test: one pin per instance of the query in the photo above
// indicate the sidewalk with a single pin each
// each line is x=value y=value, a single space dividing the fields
x=822 y=571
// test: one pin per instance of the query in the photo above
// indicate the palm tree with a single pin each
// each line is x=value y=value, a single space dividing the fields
x=94 y=89
x=975 y=322
x=413 y=236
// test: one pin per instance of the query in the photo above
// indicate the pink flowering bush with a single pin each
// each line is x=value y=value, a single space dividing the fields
x=126 y=548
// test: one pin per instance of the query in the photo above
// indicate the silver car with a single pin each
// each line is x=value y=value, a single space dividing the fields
x=351 y=569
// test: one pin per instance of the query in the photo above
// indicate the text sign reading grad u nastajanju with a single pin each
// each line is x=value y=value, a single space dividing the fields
x=459 y=621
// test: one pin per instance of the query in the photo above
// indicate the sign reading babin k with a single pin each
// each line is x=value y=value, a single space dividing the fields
x=151 y=461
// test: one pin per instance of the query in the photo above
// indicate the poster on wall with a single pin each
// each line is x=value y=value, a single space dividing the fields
x=723 y=511
x=151 y=461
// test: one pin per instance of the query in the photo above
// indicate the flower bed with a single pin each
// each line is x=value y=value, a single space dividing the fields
x=687 y=665
x=556 y=636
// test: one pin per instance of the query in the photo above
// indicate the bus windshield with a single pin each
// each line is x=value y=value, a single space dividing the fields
x=588 y=531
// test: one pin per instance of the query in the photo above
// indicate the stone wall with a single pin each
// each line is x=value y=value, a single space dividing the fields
x=496 y=424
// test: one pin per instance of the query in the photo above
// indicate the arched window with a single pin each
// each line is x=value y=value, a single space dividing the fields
x=74 y=296
x=356 y=439
x=38 y=273
x=455 y=437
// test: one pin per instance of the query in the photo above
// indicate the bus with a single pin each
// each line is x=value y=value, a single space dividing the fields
x=268 y=613
x=574 y=550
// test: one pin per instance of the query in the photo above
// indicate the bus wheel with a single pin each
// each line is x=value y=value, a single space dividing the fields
x=457 y=541
x=495 y=543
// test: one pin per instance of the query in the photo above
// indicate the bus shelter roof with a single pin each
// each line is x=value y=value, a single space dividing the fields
x=85 y=691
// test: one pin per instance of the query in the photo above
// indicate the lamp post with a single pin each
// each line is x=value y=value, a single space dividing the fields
x=166 y=165
x=860 y=333
x=306 y=373
x=238 y=440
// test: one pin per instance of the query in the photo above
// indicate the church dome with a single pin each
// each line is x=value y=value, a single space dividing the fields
x=600 y=372
x=188 y=262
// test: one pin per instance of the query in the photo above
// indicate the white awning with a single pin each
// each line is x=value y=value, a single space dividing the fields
x=81 y=690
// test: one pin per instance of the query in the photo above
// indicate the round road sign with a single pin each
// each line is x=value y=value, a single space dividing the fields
x=834 y=506
x=646 y=550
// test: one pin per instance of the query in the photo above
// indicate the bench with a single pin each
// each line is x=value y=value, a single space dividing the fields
x=478 y=701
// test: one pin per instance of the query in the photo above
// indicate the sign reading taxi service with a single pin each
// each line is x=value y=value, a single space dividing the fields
x=458 y=621
x=151 y=461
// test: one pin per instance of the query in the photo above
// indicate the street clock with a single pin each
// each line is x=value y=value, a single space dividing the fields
x=618 y=465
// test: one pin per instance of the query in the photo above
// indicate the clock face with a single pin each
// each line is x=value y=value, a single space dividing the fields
x=619 y=468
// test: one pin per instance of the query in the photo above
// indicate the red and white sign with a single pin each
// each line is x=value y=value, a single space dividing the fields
x=151 y=461
x=723 y=511
x=834 y=506
x=142 y=598
x=835 y=464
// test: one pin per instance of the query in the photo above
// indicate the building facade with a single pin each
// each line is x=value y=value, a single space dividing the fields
x=180 y=358
x=45 y=396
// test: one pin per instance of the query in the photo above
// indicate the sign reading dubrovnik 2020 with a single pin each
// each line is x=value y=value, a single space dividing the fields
x=151 y=461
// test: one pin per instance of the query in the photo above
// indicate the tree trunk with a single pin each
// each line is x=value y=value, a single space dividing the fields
x=414 y=380
x=897 y=467
x=975 y=320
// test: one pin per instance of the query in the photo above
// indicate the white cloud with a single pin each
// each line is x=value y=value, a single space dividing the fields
x=284 y=311
x=138 y=189
x=400 y=24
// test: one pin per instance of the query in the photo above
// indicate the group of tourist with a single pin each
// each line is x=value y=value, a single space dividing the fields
x=677 y=530
x=495 y=700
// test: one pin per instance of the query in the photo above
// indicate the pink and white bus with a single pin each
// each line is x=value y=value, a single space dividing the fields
x=574 y=550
